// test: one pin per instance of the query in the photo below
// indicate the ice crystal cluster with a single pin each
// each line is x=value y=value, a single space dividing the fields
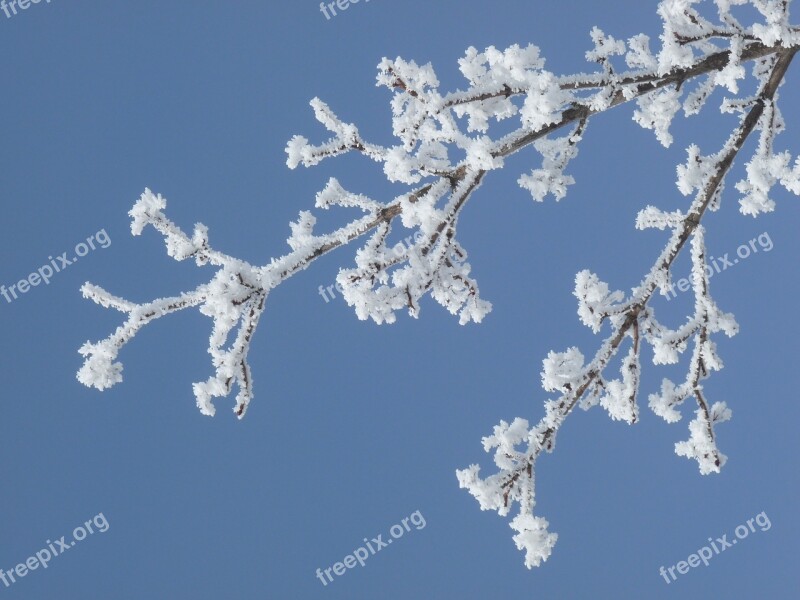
x=444 y=150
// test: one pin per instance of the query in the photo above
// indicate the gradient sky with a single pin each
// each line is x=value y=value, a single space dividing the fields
x=354 y=426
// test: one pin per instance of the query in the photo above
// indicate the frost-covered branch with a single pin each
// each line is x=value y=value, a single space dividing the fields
x=446 y=145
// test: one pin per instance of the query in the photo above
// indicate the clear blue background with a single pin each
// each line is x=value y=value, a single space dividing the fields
x=354 y=426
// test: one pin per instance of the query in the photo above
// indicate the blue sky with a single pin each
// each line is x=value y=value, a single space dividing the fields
x=354 y=426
